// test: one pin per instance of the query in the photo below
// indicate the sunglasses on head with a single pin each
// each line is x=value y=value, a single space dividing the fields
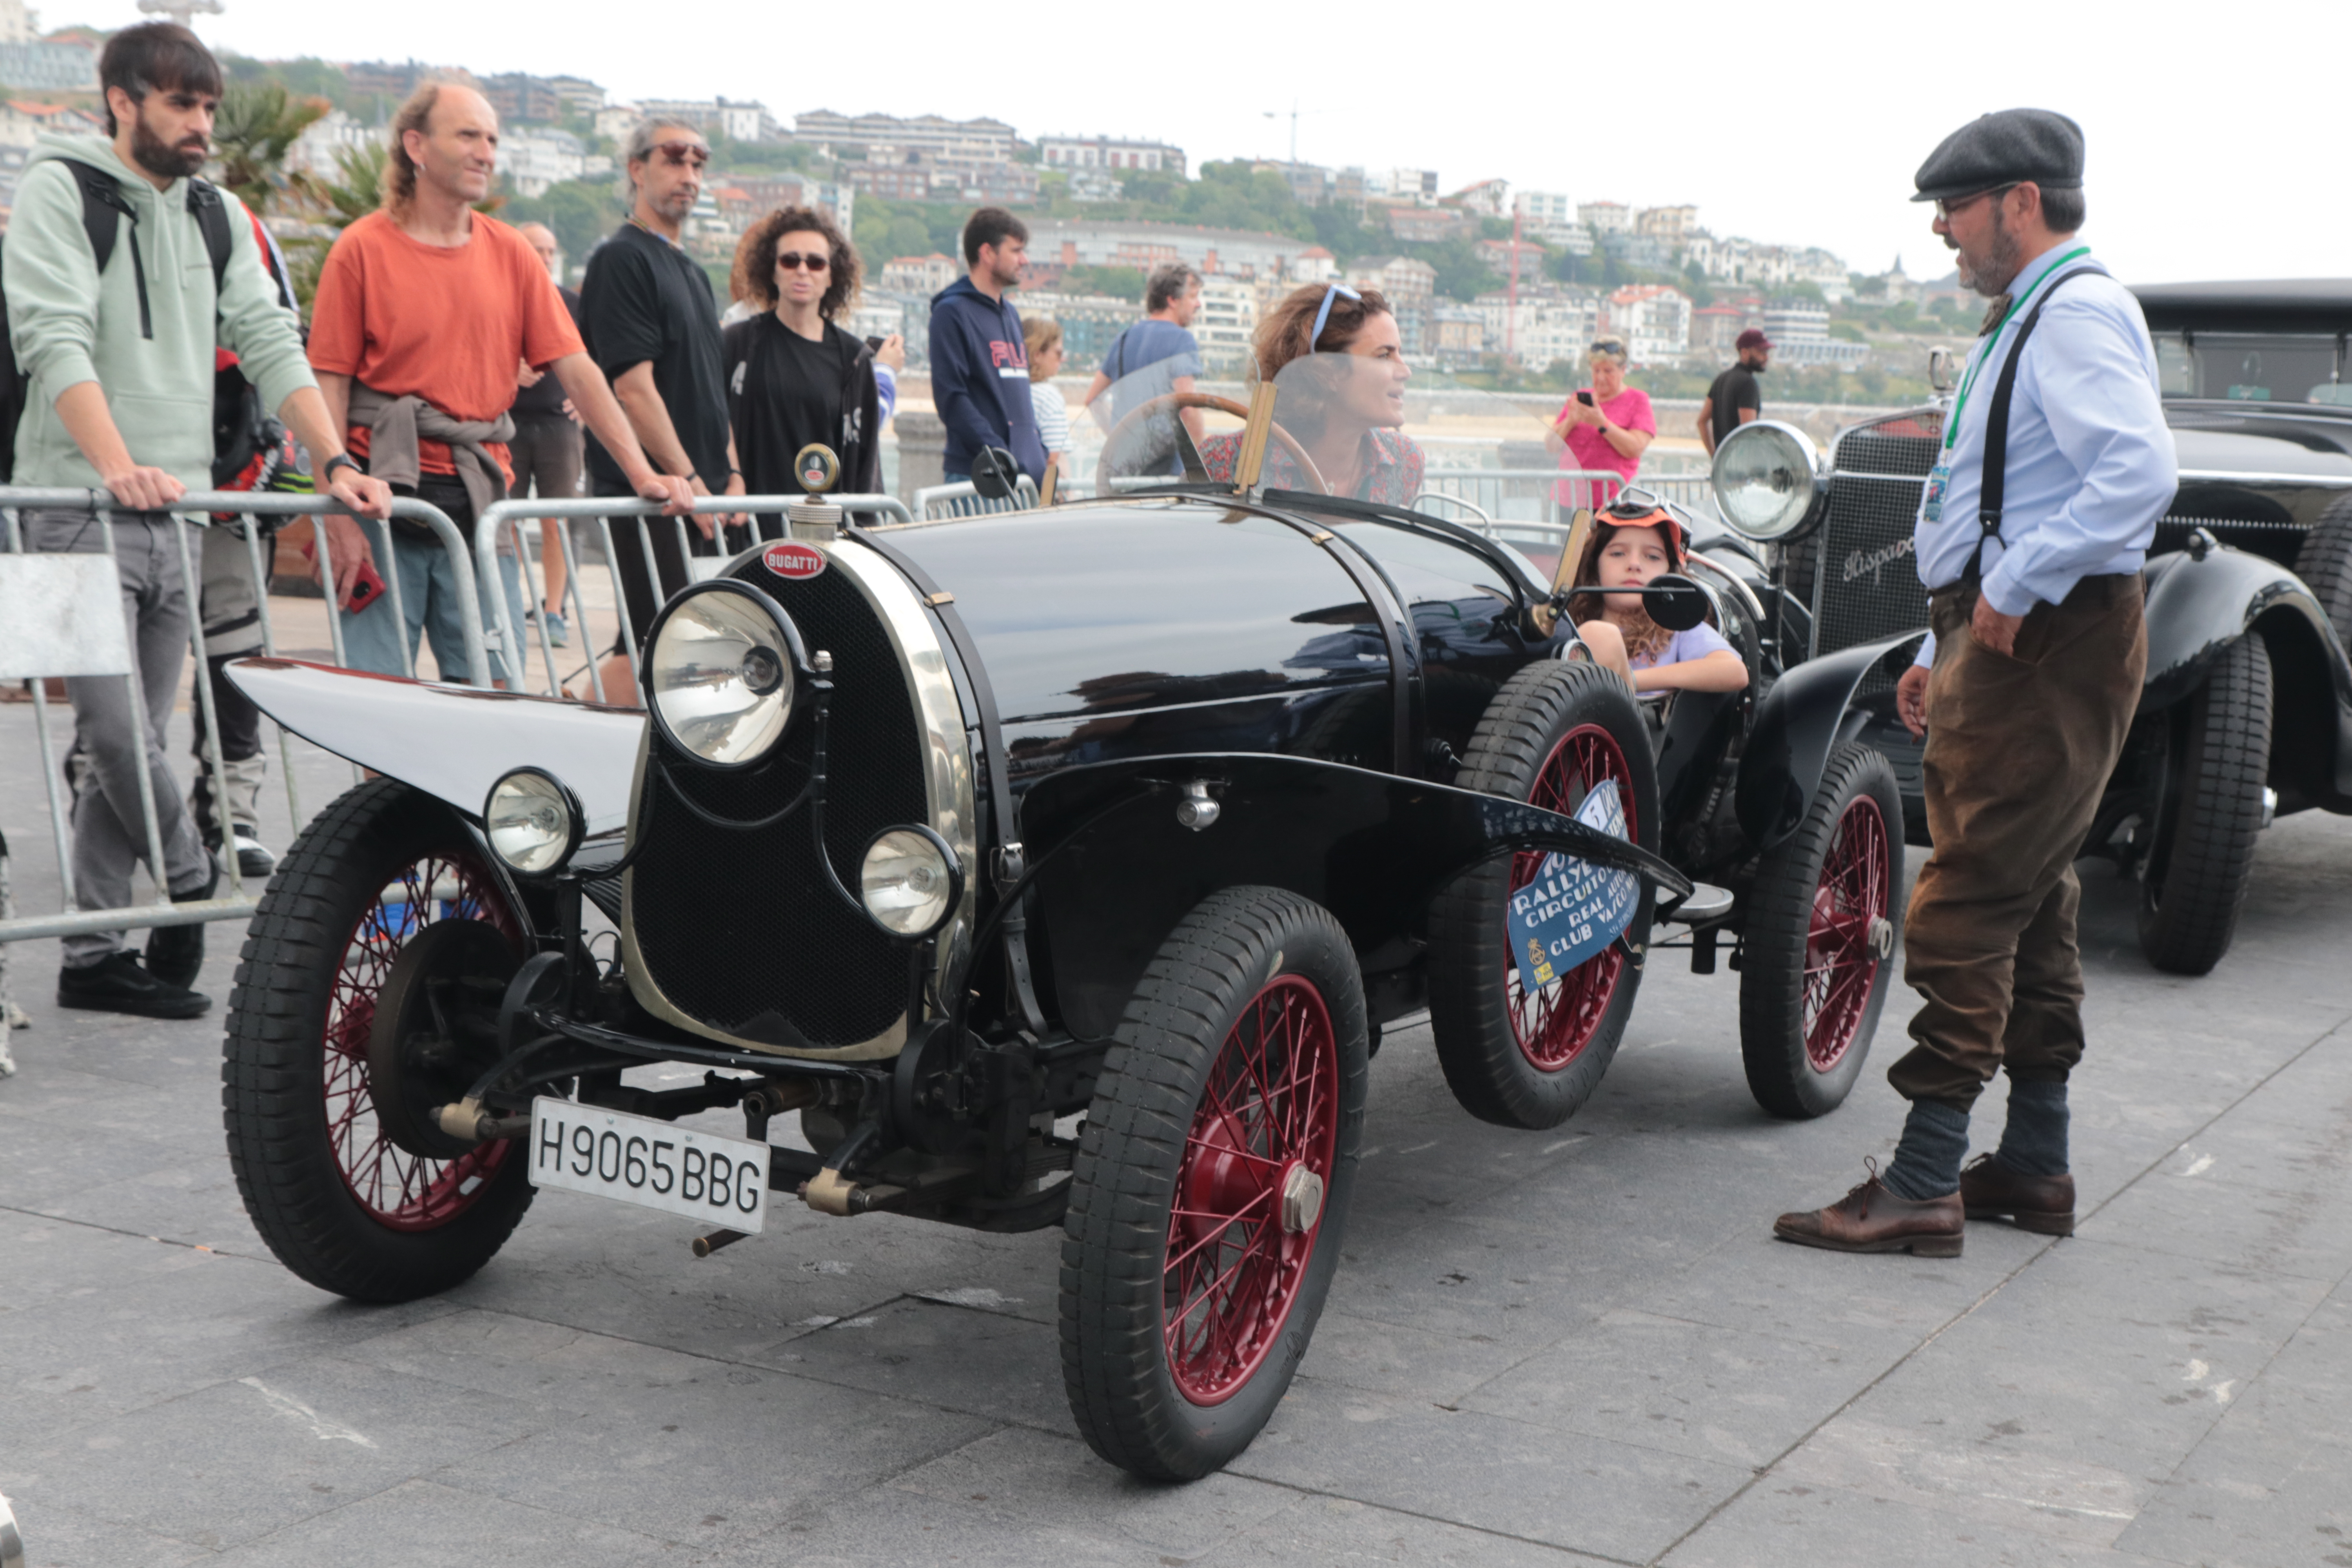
x=678 y=155
x=1323 y=316
x=1613 y=347
x=793 y=260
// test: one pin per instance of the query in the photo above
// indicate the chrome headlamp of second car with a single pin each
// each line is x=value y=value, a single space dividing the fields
x=723 y=667
x=909 y=882
x=1766 y=478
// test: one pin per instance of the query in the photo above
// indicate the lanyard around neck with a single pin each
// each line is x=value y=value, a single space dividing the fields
x=1969 y=382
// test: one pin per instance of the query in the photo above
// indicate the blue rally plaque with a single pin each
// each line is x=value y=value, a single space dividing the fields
x=1573 y=909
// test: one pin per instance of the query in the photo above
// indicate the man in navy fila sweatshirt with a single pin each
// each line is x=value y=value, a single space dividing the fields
x=980 y=367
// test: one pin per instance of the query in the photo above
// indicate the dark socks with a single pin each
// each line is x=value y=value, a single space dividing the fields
x=1927 y=1162
x=2034 y=1140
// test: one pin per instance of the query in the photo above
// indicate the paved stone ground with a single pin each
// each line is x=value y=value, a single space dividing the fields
x=1579 y=1346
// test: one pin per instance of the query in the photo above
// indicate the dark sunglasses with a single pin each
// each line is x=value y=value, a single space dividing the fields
x=792 y=261
x=678 y=155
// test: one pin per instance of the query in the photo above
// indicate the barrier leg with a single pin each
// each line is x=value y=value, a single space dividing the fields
x=49 y=774
x=137 y=690
x=399 y=611
x=621 y=600
x=334 y=624
x=537 y=599
x=579 y=603
x=205 y=704
x=269 y=650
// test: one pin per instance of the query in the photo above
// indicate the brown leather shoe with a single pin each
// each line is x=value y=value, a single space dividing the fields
x=2043 y=1204
x=1872 y=1219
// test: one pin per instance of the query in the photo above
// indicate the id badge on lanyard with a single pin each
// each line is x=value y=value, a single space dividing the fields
x=1939 y=480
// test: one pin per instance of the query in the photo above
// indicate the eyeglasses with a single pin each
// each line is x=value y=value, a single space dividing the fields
x=1945 y=207
x=678 y=155
x=1323 y=316
x=792 y=261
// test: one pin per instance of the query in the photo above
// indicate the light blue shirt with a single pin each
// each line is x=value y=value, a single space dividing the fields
x=2091 y=464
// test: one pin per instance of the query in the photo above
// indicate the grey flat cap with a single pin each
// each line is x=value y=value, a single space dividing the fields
x=2004 y=149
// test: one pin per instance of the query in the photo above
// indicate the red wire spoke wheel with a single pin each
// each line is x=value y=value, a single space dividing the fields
x=1211 y=1187
x=1842 y=957
x=340 y=1203
x=1257 y=1162
x=1554 y=1025
x=400 y=1190
x=1820 y=925
x=1551 y=735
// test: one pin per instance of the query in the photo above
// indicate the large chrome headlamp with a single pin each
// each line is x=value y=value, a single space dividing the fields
x=909 y=882
x=722 y=667
x=534 y=822
x=1767 y=477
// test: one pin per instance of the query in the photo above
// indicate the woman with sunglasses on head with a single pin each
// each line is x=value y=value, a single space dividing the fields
x=794 y=376
x=1602 y=428
x=1337 y=362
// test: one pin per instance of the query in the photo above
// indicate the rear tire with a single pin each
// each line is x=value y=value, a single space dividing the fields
x=2209 y=814
x=338 y=1202
x=1188 y=1297
x=1550 y=736
x=2325 y=562
x=1816 y=957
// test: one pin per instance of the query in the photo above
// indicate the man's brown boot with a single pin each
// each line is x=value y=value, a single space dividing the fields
x=1872 y=1219
x=2043 y=1204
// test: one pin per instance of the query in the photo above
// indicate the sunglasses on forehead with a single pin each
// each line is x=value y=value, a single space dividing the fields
x=1336 y=291
x=678 y=155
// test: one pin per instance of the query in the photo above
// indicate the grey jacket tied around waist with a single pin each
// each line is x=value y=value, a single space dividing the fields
x=395 y=424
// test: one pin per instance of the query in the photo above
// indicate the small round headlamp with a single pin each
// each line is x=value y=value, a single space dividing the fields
x=534 y=822
x=1765 y=478
x=909 y=882
x=721 y=671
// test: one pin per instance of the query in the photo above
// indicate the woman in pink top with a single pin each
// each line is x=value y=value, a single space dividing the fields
x=1604 y=428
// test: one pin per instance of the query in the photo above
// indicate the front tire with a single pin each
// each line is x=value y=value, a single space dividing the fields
x=340 y=1203
x=2325 y=562
x=2209 y=813
x=1822 y=925
x=1231 y=1106
x=1553 y=733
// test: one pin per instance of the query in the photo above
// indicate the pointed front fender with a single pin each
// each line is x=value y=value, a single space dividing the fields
x=452 y=742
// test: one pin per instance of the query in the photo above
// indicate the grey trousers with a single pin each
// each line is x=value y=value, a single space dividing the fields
x=109 y=833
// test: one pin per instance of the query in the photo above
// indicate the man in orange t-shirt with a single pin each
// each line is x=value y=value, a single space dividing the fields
x=423 y=310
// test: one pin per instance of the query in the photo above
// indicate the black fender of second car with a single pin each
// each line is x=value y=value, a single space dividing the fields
x=1807 y=711
x=2203 y=599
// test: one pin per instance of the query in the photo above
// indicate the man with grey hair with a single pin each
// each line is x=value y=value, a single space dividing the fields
x=1156 y=356
x=652 y=325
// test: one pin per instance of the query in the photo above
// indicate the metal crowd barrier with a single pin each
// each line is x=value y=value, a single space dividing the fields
x=1553 y=495
x=935 y=502
x=86 y=640
x=502 y=525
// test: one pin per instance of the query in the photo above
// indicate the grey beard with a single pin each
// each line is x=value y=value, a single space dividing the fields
x=2000 y=268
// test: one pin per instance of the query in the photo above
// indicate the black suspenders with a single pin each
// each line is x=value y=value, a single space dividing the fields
x=1990 y=487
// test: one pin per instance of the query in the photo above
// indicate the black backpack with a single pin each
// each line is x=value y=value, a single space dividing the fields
x=103 y=208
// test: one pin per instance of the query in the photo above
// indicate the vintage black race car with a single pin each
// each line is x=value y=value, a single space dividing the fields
x=1060 y=866
x=2247 y=710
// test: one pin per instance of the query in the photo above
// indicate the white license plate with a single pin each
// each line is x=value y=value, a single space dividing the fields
x=655 y=1164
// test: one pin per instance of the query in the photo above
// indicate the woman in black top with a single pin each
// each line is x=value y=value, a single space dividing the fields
x=792 y=376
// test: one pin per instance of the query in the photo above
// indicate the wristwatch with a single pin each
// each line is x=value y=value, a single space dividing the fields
x=327 y=468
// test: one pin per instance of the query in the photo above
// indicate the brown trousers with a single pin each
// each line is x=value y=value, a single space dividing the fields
x=2019 y=751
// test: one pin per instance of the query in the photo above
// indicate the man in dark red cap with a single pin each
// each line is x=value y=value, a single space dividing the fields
x=1735 y=398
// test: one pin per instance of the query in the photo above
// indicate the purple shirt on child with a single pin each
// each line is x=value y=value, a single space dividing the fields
x=1696 y=643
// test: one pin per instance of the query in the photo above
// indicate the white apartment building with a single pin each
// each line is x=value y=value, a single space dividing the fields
x=535 y=157
x=923 y=275
x=1227 y=317
x=1110 y=153
x=1653 y=319
x=1488 y=198
x=1605 y=217
x=1544 y=330
x=980 y=140
x=1799 y=331
x=1672 y=224
x=1543 y=209
x=316 y=150
x=1417 y=186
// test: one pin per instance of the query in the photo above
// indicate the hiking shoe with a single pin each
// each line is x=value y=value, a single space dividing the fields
x=119 y=983
x=174 y=953
x=254 y=860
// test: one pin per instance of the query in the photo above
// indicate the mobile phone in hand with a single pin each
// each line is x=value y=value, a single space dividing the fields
x=873 y=342
x=1585 y=398
x=367 y=586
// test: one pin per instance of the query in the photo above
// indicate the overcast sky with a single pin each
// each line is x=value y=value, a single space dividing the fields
x=2213 y=138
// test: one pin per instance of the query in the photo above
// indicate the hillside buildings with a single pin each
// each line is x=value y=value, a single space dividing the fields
x=1110 y=153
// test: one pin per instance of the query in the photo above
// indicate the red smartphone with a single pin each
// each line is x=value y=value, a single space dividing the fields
x=366 y=588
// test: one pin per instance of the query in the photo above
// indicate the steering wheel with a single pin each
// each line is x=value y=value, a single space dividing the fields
x=1135 y=415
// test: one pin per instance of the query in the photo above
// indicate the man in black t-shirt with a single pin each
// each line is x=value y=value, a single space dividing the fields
x=1735 y=398
x=545 y=454
x=650 y=323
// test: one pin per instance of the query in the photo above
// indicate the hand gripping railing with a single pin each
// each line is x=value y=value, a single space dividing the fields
x=502 y=524
x=20 y=654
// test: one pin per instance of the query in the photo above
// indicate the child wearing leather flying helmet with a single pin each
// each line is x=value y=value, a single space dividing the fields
x=1634 y=542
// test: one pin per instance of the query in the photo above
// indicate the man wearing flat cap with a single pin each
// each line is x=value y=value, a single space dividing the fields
x=2054 y=465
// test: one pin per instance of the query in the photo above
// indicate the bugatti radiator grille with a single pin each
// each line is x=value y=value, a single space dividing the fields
x=738 y=928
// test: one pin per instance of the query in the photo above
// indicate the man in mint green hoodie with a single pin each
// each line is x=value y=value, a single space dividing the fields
x=121 y=396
